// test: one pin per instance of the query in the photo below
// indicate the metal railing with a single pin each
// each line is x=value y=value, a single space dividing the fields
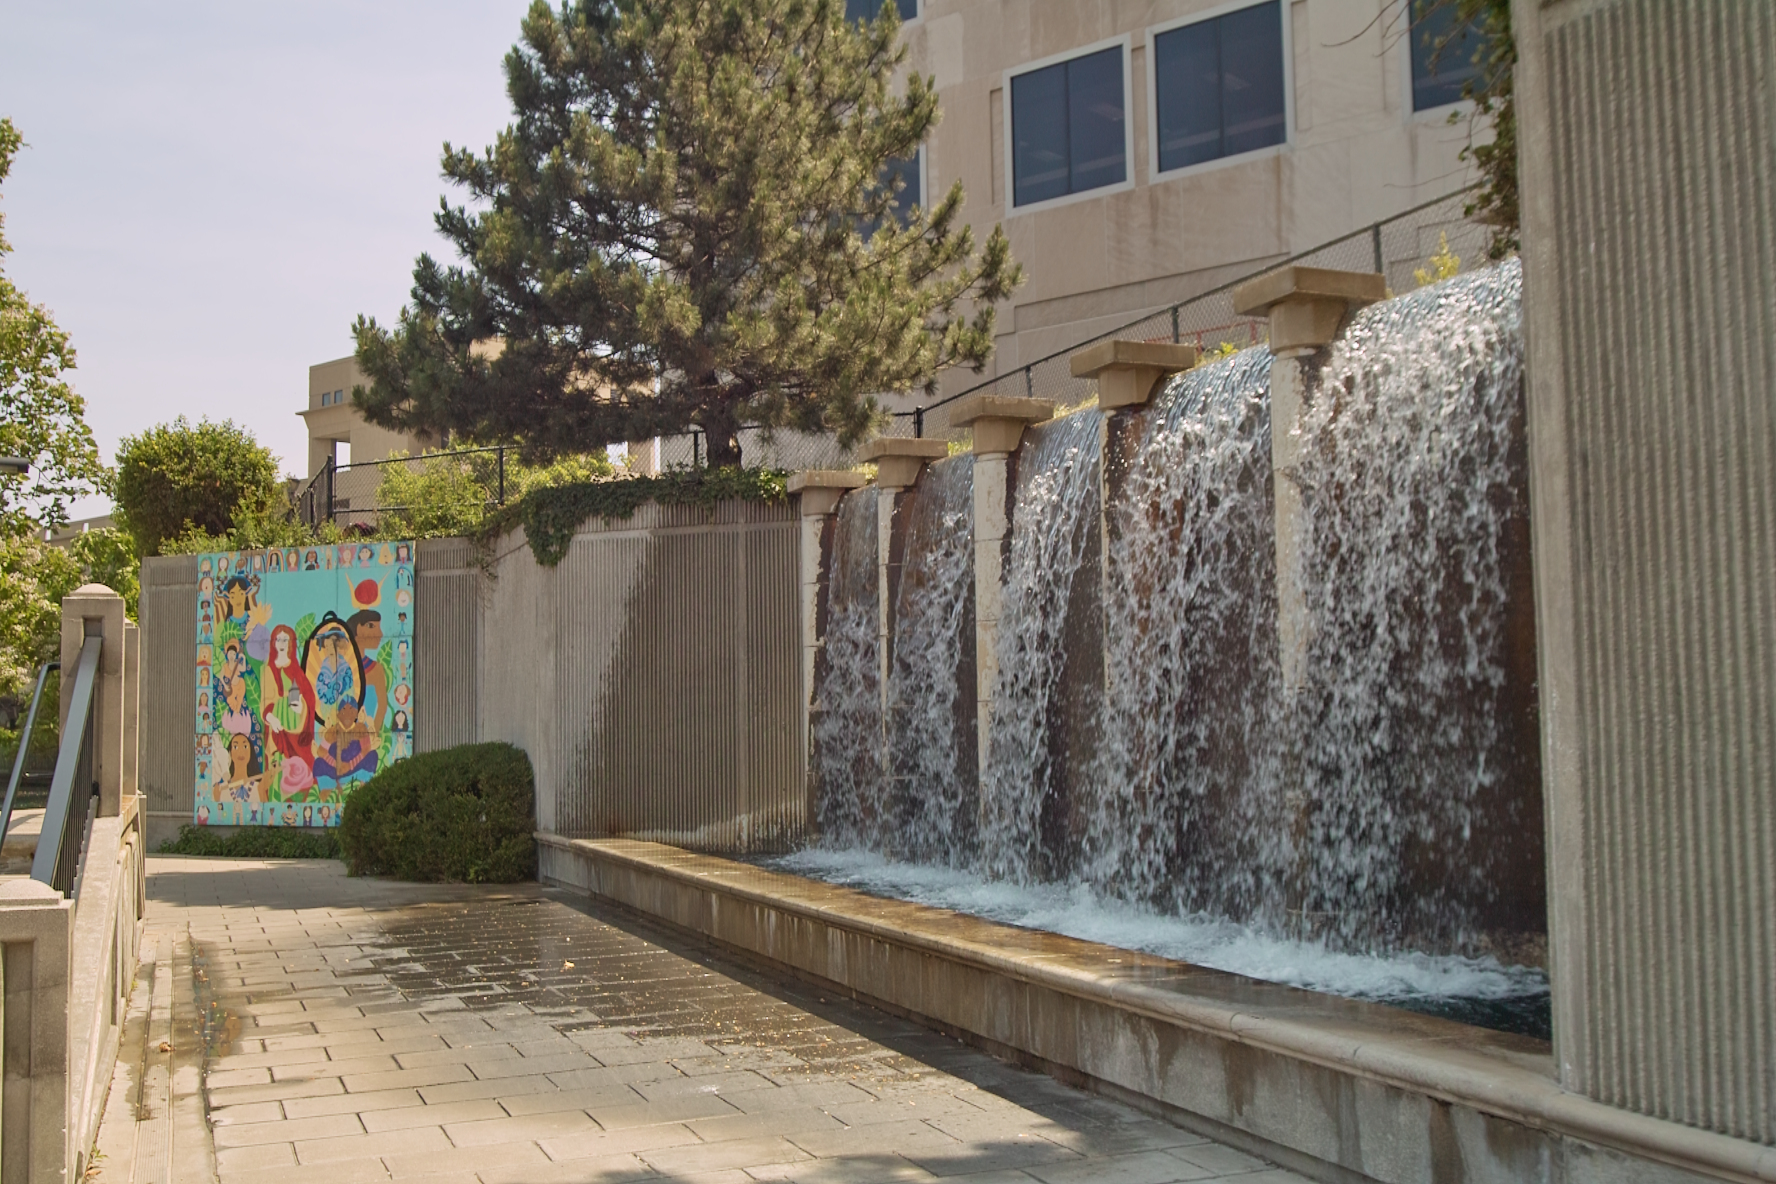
x=349 y=494
x=24 y=748
x=73 y=789
x=1395 y=247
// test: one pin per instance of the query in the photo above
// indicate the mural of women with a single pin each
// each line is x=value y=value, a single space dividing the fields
x=335 y=669
x=238 y=602
x=289 y=709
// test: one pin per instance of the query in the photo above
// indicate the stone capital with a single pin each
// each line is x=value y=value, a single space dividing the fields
x=1128 y=372
x=1306 y=305
x=900 y=459
x=998 y=420
x=819 y=490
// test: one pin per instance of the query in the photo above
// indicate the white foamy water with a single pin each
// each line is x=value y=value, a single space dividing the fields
x=1077 y=910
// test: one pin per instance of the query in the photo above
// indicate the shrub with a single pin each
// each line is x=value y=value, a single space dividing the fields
x=457 y=814
x=258 y=842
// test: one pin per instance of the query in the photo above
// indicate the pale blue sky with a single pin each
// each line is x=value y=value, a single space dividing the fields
x=211 y=192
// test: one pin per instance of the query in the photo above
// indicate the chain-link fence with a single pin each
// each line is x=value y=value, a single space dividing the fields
x=1397 y=247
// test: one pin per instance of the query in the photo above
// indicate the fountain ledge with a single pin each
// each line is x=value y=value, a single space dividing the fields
x=1336 y=1089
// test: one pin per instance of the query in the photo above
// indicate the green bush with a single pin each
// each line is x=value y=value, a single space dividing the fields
x=457 y=814
x=258 y=842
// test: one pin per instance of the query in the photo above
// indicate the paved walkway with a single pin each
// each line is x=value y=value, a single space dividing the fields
x=362 y=1030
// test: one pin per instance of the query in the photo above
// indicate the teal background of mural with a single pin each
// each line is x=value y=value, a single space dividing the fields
x=304 y=679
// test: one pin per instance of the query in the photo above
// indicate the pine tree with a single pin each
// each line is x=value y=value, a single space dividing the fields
x=672 y=232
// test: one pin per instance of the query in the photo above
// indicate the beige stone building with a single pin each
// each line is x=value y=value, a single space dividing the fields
x=1139 y=152
x=333 y=421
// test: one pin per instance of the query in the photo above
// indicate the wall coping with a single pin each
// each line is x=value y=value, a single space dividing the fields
x=1506 y=1076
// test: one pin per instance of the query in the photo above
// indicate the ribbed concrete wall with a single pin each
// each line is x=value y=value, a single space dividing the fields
x=654 y=677
x=169 y=709
x=1649 y=135
x=447 y=628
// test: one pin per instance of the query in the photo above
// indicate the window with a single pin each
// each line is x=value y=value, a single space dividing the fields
x=1068 y=130
x=1218 y=87
x=907 y=170
x=1445 y=58
x=869 y=10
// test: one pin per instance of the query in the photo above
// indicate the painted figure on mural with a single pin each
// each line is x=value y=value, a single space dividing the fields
x=244 y=780
x=289 y=710
x=401 y=742
x=348 y=750
x=237 y=720
x=239 y=605
x=365 y=626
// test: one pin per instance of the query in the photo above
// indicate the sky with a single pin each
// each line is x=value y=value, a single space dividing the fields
x=210 y=193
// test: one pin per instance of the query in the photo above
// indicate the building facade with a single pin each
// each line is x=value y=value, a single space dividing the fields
x=333 y=421
x=1140 y=152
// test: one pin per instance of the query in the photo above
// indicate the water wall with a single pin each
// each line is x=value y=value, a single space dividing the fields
x=1146 y=742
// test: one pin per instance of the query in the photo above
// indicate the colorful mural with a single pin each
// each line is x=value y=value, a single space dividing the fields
x=304 y=679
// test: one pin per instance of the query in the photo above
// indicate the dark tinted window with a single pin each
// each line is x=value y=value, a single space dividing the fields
x=1445 y=56
x=869 y=10
x=1219 y=86
x=906 y=170
x=1067 y=128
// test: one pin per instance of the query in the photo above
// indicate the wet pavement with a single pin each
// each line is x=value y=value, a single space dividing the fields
x=364 y=1030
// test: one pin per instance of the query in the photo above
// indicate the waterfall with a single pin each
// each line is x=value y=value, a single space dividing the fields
x=1412 y=476
x=1044 y=613
x=1188 y=792
x=931 y=686
x=846 y=729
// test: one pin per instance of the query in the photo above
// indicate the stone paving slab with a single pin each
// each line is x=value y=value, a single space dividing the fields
x=365 y=1030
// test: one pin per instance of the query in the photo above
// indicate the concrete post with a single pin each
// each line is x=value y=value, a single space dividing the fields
x=898 y=461
x=96 y=611
x=36 y=963
x=132 y=709
x=998 y=425
x=818 y=491
x=1307 y=306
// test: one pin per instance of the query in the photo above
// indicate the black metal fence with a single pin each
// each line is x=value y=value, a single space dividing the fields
x=1397 y=247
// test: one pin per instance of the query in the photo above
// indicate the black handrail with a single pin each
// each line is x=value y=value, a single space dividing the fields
x=72 y=789
x=18 y=762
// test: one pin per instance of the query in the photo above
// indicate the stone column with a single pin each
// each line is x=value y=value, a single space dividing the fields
x=1649 y=242
x=818 y=492
x=96 y=611
x=37 y=940
x=998 y=425
x=132 y=709
x=1307 y=306
x=899 y=461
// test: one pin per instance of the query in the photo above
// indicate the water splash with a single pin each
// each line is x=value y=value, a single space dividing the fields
x=931 y=688
x=1025 y=828
x=1188 y=787
x=846 y=729
x=1412 y=475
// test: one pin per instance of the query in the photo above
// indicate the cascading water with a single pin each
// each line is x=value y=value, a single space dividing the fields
x=846 y=729
x=1151 y=781
x=1188 y=790
x=931 y=692
x=1413 y=739
x=1024 y=823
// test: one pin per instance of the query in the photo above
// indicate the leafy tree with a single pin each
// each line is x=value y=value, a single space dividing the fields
x=41 y=418
x=176 y=478
x=669 y=235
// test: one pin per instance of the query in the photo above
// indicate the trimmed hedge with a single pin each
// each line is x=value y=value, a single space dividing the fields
x=458 y=814
x=258 y=842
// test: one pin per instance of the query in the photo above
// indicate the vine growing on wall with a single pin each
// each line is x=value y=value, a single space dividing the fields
x=550 y=516
x=1493 y=94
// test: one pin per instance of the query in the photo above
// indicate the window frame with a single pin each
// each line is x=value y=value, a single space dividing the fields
x=1154 y=32
x=1439 y=114
x=1125 y=43
x=918 y=13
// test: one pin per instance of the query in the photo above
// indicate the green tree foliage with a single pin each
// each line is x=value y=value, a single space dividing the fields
x=452 y=493
x=180 y=478
x=669 y=235
x=41 y=418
